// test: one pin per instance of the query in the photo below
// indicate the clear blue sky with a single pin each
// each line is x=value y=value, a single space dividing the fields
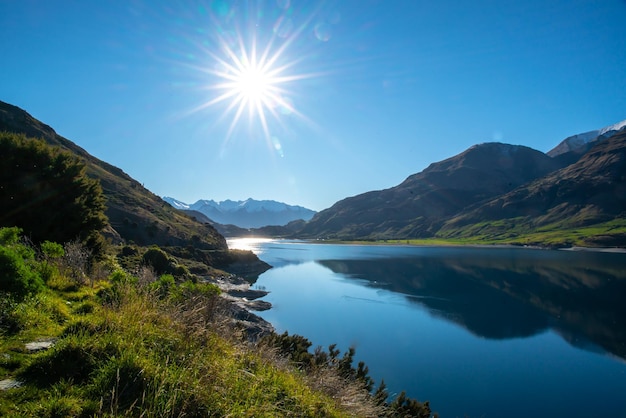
x=364 y=93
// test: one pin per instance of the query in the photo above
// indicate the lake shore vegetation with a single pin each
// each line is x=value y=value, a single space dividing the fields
x=112 y=343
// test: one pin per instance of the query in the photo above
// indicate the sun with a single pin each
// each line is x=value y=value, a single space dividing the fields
x=251 y=82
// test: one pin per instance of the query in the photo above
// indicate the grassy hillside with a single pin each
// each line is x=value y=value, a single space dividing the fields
x=79 y=343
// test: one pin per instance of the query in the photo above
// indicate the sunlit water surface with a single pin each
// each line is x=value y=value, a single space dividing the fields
x=479 y=332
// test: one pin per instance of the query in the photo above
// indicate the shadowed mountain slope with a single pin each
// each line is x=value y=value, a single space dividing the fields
x=590 y=191
x=419 y=205
x=135 y=213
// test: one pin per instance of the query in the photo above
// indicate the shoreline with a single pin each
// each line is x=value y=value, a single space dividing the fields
x=242 y=303
x=443 y=244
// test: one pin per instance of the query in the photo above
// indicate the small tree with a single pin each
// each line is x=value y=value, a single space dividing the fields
x=46 y=192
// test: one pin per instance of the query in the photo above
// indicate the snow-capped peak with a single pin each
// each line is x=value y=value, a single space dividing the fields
x=247 y=213
x=577 y=141
x=176 y=203
x=615 y=127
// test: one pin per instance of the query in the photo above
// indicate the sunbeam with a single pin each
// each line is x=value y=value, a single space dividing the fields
x=253 y=81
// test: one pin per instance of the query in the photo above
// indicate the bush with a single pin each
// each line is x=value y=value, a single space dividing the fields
x=163 y=286
x=16 y=276
x=51 y=252
x=9 y=236
x=158 y=260
x=75 y=261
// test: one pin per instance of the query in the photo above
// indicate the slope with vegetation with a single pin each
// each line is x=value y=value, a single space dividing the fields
x=45 y=191
x=114 y=344
x=135 y=213
x=418 y=206
x=495 y=194
x=581 y=204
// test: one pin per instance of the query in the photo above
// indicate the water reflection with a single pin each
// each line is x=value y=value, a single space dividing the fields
x=510 y=294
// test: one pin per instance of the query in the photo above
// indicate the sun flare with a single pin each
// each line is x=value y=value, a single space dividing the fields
x=251 y=82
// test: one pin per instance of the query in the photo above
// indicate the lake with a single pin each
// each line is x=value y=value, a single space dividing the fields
x=478 y=332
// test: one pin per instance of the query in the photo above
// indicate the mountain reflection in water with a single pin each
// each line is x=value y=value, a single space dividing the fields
x=580 y=296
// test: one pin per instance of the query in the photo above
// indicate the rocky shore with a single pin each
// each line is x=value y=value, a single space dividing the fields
x=243 y=300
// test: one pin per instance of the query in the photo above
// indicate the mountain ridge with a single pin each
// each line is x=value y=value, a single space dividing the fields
x=421 y=203
x=590 y=191
x=249 y=213
x=580 y=142
x=474 y=196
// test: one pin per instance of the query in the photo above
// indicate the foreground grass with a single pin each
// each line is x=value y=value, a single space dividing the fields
x=121 y=351
x=83 y=339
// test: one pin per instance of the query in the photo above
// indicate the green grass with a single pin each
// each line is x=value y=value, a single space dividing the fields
x=122 y=351
x=518 y=231
x=560 y=234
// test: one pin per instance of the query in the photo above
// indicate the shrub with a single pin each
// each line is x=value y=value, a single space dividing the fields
x=50 y=254
x=121 y=277
x=75 y=261
x=52 y=250
x=163 y=285
x=9 y=236
x=158 y=260
x=16 y=276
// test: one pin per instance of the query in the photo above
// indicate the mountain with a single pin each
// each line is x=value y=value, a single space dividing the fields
x=248 y=213
x=424 y=201
x=571 y=148
x=588 y=192
x=135 y=214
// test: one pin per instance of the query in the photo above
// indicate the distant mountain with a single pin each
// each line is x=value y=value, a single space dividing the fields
x=248 y=213
x=135 y=214
x=424 y=201
x=588 y=192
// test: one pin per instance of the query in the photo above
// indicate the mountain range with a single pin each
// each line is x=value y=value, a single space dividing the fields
x=573 y=195
x=248 y=213
x=495 y=191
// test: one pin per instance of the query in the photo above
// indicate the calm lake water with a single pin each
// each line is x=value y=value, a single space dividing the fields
x=479 y=332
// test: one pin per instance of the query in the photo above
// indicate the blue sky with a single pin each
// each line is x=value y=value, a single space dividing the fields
x=357 y=96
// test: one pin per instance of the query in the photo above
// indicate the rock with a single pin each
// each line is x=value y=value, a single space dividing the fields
x=242 y=300
x=249 y=294
x=7 y=384
x=255 y=326
x=40 y=345
x=256 y=305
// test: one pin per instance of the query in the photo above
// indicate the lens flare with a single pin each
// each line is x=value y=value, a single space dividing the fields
x=250 y=59
x=253 y=80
